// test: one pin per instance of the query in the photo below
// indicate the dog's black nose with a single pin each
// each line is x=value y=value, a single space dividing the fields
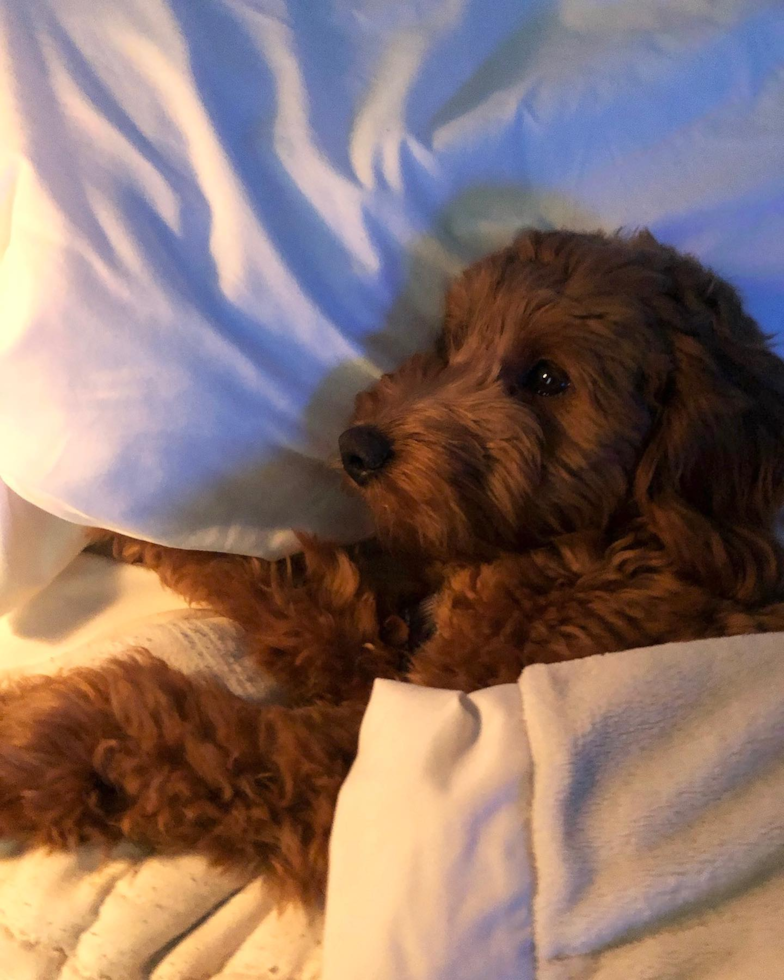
x=364 y=451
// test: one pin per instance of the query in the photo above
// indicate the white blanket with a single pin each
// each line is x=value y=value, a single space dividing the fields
x=220 y=219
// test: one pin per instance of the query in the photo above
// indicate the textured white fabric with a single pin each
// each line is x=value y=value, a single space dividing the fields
x=90 y=601
x=138 y=917
x=219 y=220
x=613 y=818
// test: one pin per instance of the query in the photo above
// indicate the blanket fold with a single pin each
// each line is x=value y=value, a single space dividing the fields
x=611 y=818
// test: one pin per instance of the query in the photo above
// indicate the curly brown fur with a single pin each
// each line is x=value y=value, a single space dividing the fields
x=635 y=506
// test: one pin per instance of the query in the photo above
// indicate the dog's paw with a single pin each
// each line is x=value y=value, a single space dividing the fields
x=54 y=747
x=318 y=631
x=328 y=599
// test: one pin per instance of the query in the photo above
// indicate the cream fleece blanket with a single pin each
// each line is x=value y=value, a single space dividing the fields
x=616 y=818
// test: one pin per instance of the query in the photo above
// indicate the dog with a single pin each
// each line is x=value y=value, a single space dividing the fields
x=588 y=460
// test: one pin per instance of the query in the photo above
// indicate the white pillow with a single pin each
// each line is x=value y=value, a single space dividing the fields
x=219 y=220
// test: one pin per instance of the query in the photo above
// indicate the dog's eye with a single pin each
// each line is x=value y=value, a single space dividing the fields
x=544 y=379
x=547 y=378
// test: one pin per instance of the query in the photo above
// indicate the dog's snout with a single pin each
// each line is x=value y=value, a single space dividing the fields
x=364 y=452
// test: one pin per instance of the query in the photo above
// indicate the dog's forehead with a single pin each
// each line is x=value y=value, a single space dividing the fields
x=513 y=308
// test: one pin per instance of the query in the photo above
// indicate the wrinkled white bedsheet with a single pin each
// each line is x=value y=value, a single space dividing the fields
x=219 y=220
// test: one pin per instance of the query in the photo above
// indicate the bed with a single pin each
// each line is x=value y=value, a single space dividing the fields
x=217 y=223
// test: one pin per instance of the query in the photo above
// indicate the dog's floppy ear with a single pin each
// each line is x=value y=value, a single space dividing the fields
x=710 y=482
x=468 y=289
x=455 y=321
x=470 y=297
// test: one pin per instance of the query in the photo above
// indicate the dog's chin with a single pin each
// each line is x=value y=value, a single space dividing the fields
x=431 y=529
x=426 y=552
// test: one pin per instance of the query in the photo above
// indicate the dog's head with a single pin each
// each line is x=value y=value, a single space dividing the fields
x=578 y=378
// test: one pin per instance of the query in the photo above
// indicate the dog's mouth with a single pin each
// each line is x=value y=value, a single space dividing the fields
x=439 y=484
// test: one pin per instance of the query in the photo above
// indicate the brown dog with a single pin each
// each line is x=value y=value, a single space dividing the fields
x=590 y=460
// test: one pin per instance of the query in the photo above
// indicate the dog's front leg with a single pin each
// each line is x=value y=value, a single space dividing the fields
x=137 y=750
x=312 y=623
